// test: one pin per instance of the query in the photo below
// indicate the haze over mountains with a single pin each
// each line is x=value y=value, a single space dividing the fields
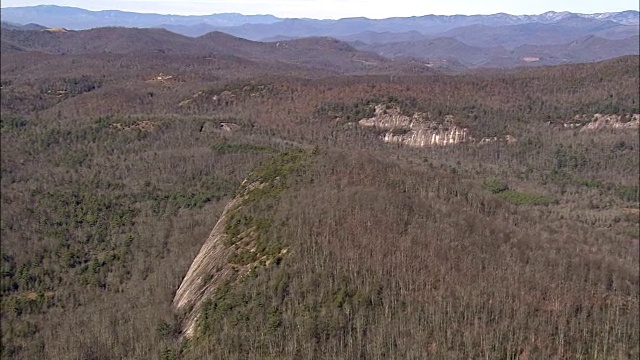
x=450 y=42
x=240 y=25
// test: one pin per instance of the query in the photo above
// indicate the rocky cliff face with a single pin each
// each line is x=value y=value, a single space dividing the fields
x=240 y=240
x=209 y=269
x=213 y=266
x=428 y=137
x=601 y=121
x=417 y=130
x=604 y=121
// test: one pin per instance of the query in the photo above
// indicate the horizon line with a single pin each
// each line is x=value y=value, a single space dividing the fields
x=310 y=18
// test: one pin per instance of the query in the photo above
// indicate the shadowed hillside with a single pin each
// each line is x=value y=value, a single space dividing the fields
x=588 y=49
x=322 y=53
x=449 y=43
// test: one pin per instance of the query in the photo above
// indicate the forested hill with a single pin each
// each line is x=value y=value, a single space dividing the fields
x=452 y=42
x=317 y=53
x=351 y=238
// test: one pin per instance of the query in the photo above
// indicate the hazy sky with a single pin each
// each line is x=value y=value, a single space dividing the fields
x=333 y=9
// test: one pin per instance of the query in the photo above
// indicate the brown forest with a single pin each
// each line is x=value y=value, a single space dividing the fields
x=115 y=168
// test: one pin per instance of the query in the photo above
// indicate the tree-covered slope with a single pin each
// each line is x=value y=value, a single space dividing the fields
x=368 y=258
x=115 y=170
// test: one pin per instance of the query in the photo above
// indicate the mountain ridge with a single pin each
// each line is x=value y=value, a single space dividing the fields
x=496 y=40
x=451 y=52
x=317 y=52
x=59 y=16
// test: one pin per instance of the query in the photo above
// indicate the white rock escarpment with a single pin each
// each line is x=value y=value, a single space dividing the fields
x=417 y=130
x=213 y=266
x=427 y=137
x=604 y=121
x=209 y=269
x=601 y=121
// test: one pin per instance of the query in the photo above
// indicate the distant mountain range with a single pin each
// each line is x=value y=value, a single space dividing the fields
x=14 y=26
x=317 y=52
x=586 y=49
x=259 y=27
x=80 y=19
x=457 y=41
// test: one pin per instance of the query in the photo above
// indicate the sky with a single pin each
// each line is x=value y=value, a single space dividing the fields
x=334 y=9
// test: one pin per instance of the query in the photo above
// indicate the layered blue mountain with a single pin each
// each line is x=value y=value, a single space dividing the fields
x=469 y=41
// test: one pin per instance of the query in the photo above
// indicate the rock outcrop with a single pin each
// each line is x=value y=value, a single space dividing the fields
x=417 y=130
x=604 y=121
x=240 y=240
x=209 y=270
x=509 y=139
x=212 y=266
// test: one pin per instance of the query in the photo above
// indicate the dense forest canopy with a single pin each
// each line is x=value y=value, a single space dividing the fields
x=115 y=169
